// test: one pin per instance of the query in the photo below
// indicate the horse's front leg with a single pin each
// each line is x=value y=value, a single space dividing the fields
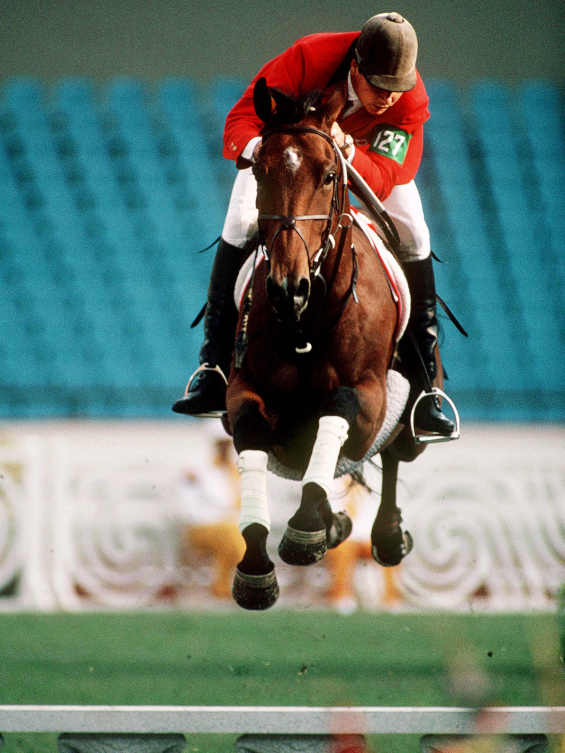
x=255 y=584
x=315 y=528
x=390 y=544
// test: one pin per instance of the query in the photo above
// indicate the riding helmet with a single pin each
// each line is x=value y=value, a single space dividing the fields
x=386 y=52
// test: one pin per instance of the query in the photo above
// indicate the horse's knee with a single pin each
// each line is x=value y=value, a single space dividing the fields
x=251 y=430
x=342 y=402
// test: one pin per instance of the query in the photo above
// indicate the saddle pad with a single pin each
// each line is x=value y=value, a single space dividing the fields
x=244 y=276
x=396 y=277
x=397 y=390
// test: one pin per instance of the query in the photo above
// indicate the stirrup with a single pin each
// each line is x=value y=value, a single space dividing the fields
x=207 y=367
x=434 y=438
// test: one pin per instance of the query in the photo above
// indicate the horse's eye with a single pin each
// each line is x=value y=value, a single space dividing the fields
x=329 y=179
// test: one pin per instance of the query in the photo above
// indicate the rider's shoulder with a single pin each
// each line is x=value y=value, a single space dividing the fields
x=417 y=98
x=330 y=40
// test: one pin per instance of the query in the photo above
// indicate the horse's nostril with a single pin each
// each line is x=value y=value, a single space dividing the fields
x=288 y=300
x=301 y=294
x=303 y=289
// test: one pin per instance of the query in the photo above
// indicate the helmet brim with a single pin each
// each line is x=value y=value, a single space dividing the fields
x=391 y=83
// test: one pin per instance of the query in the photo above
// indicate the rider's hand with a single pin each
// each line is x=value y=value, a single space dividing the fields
x=242 y=163
x=339 y=137
x=337 y=134
x=256 y=151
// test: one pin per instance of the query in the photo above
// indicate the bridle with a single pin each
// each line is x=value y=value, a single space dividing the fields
x=289 y=222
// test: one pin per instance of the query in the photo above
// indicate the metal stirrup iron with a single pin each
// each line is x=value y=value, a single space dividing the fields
x=207 y=367
x=434 y=438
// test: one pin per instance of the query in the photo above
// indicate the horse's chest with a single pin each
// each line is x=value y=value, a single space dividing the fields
x=284 y=379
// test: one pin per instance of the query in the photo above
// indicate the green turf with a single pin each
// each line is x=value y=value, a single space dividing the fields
x=304 y=658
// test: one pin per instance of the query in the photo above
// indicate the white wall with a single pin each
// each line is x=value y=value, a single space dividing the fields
x=90 y=517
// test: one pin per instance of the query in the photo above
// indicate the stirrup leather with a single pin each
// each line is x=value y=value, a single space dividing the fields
x=434 y=438
x=207 y=367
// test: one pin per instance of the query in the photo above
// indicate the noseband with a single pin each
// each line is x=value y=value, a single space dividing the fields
x=289 y=222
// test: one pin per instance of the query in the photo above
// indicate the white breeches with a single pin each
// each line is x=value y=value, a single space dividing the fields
x=403 y=205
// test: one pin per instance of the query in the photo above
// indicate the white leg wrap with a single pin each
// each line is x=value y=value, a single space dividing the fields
x=332 y=433
x=252 y=466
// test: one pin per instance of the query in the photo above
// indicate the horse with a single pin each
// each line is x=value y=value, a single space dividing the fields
x=307 y=389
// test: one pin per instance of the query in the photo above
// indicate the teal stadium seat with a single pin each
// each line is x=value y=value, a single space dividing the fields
x=110 y=192
x=542 y=110
x=507 y=159
x=484 y=365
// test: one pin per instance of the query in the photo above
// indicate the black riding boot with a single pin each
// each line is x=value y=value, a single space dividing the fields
x=206 y=393
x=423 y=324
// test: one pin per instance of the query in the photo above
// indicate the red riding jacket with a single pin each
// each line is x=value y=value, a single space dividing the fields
x=388 y=147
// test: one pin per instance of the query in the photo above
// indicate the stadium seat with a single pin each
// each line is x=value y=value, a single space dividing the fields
x=109 y=193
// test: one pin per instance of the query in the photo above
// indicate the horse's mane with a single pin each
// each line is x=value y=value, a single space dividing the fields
x=291 y=110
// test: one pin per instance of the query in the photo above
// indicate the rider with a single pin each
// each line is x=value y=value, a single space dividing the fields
x=380 y=132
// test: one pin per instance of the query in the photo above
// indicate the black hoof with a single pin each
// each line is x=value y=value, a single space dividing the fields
x=302 y=547
x=390 y=553
x=256 y=592
x=340 y=529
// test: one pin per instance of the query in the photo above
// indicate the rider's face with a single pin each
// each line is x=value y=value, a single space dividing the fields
x=375 y=101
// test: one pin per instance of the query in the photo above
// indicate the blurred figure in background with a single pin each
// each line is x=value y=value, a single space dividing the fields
x=209 y=512
x=342 y=561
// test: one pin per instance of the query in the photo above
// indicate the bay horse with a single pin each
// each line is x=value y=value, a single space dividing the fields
x=308 y=385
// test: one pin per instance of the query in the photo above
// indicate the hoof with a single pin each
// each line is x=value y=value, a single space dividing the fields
x=391 y=556
x=302 y=547
x=256 y=592
x=340 y=529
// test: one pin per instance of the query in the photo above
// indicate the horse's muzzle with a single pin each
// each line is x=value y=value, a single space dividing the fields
x=289 y=298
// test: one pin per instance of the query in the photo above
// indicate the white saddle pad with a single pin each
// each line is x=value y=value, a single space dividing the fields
x=244 y=276
x=396 y=277
x=397 y=390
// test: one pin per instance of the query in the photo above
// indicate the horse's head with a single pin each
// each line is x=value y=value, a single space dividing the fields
x=300 y=194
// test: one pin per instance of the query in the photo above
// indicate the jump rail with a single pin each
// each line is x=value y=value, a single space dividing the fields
x=281 y=720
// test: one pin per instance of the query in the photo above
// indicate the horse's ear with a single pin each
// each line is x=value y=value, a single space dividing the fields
x=336 y=102
x=262 y=100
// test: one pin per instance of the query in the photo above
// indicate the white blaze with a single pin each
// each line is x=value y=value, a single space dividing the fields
x=293 y=159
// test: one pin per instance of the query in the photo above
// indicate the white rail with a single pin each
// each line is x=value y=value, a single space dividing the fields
x=282 y=719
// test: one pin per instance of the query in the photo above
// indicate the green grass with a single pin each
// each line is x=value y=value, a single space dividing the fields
x=276 y=658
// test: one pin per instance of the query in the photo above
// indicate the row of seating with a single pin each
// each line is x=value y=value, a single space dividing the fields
x=109 y=193
x=489 y=219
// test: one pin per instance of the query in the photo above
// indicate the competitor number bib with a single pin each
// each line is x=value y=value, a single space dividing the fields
x=391 y=142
